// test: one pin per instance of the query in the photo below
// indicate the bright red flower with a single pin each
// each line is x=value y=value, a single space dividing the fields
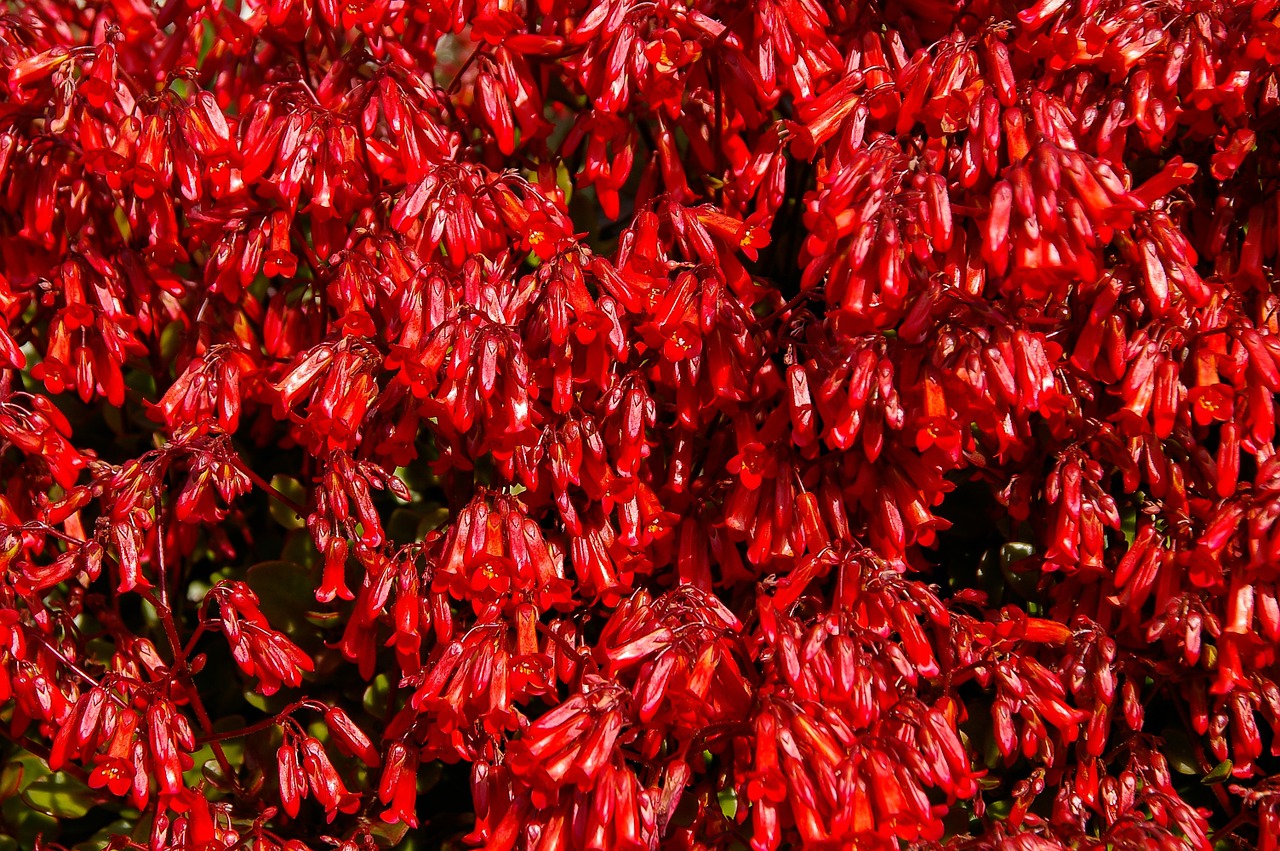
x=700 y=425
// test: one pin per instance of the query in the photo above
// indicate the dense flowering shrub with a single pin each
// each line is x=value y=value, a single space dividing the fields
x=605 y=424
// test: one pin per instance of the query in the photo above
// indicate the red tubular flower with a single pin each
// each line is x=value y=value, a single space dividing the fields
x=571 y=744
x=496 y=553
x=169 y=743
x=788 y=423
x=399 y=787
x=350 y=737
x=292 y=780
x=326 y=785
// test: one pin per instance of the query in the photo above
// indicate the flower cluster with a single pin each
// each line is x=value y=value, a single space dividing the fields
x=585 y=424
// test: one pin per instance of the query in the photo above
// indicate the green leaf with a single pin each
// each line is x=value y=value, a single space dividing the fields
x=402 y=527
x=326 y=620
x=564 y=181
x=102 y=838
x=429 y=776
x=434 y=516
x=282 y=513
x=728 y=799
x=1129 y=522
x=389 y=835
x=114 y=420
x=1220 y=773
x=408 y=525
x=31 y=766
x=59 y=795
x=171 y=340
x=1000 y=809
x=271 y=705
x=143 y=382
x=10 y=780
x=1180 y=751
x=206 y=766
x=24 y=823
x=377 y=697
x=987 y=577
x=418 y=477
x=300 y=549
x=285 y=592
x=1014 y=552
x=1013 y=555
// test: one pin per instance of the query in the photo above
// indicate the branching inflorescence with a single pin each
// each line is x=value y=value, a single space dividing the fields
x=565 y=424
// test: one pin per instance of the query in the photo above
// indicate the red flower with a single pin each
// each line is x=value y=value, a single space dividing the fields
x=786 y=423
